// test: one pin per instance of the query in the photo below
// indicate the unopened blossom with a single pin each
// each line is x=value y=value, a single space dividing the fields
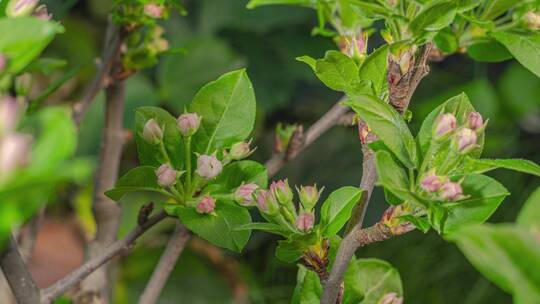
x=466 y=140
x=188 y=123
x=8 y=114
x=282 y=191
x=240 y=150
x=309 y=196
x=18 y=8
x=206 y=205
x=533 y=20
x=266 y=202
x=391 y=298
x=166 y=175
x=431 y=183
x=305 y=221
x=42 y=12
x=153 y=10
x=451 y=191
x=244 y=194
x=14 y=152
x=475 y=121
x=152 y=132
x=446 y=123
x=208 y=166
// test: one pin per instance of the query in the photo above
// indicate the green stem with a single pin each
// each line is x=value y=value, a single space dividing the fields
x=164 y=152
x=187 y=157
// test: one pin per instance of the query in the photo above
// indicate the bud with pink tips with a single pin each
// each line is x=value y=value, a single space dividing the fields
x=446 y=124
x=305 y=221
x=431 y=183
x=206 y=205
x=391 y=298
x=3 y=63
x=14 y=153
x=267 y=203
x=466 y=140
x=208 y=166
x=42 y=13
x=309 y=196
x=475 y=121
x=153 y=10
x=188 y=124
x=20 y=8
x=451 y=191
x=240 y=150
x=281 y=190
x=9 y=114
x=244 y=194
x=152 y=132
x=166 y=176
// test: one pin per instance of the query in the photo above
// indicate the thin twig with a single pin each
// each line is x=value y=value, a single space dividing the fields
x=166 y=265
x=117 y=248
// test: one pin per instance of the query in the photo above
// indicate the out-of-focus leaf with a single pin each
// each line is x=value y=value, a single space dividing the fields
x=524 y=47
x=434 y=17
x=485 y=165
x=488 y=51
x=529 y=215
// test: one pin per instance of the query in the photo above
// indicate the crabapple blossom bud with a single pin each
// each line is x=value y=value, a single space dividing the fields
x=431 y=183
x=266 y=202
x=475 y=121
x=19 y=8
x=240 y=150
x=533 y=20
x=8 y=114
x=3 y=62
x=42 y=12
x=391 y=298
x=451 y=191
x=305 y=221
x=446 y=123
x=282 y=191
x=309 y=195
x=188 y=123
x=153 y=10
x=244 y=194
x=466 y=140
x=206 y=205
x=14 y=152
x=208 y=166
x=166 y=175
x=152 y=132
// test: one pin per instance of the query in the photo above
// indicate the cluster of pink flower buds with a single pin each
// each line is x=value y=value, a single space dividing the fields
x=152 y=132
x=20 y=8
x=466 y=137
x=153 y=10
x=442 y=187
x=14 y=146
x=208 y=166
x=244 y=195
x=391 y=298
x=206 y=205
x=166 y=176
x=188 y=124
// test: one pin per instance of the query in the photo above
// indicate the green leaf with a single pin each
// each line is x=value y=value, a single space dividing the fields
x=388 y=125
x=150 y=154
x=507 y=255
x=420 y=223
x=268 y=227
x=337 y=208
x=219 y=227
x=488 y=51
x=434 y=17
x=233 y=175
x=485 y=196
x=484 y=165
x=446 y=41
x=46 y=65
x=525 y=47
x=24 y=38
x=140 y=179
x=495 y=8
x=291 y=250
x=256 y=3
x=529 y=216
x=227 y=108
x=308 y=287
x=374 y=70
x=336 y=70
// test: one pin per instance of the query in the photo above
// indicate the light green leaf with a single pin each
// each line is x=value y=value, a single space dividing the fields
x=336 y=70
x=495 y=8
x=507 y=255
x=227 y=108
x=337 y=208
x=140 y=179
x=374 y=69
x=24 y=38
x=233 y=175
x=525 y=47
x=485 y=196
x=268 y=227
x=484 y=165
x=150 y=154
x=388 y=125
x=529 y=216
x=372 y=279
x=219 y=227
x=434 y=17
x=308 y=287
x=488 y=51
x=256 y=3
x=291 y=250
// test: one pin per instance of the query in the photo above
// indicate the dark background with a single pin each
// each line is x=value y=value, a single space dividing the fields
x=221 y=35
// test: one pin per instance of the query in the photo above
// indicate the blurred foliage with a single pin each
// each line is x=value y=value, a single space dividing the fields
x=222 y=35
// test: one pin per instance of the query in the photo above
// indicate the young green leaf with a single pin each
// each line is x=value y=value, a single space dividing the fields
x=485 y=196
x=256 y=3
x=505 y=254
x=233 y=175
x=268 y=227
x=227 y=108
x=308 y=287
x=291 y=250
x=156 y=155
x=434 y=17
x=140 y=179
x=488 y=51
x=220 y=227
x=525 y=47
x=374 y=69
x=388 y=125
x=495 y=8
x=472 y=165
x=337 y=208
x=529 y=216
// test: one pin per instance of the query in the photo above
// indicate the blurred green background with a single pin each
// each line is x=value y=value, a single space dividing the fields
x=221 y=35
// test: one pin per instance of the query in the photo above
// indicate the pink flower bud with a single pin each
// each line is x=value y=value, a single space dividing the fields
x=446 y=123
x=206 y=205
x=451 y=191
x=3 y=63
x=431 y=183
x=282 y=191
x=8 y=114
x=166 y=176
x=152 y=133
x=533 y=20
x=153 y=10
x=208 y=166
x=466 y=140
x=391 y=298
x=475 y=121
x=244 y=194
x=305 y=221
x=188 y=123
x=14 y=152
x=266 y=202
x=309 y=196
x=18 y=8
x=42 y=12
x=240 y=150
